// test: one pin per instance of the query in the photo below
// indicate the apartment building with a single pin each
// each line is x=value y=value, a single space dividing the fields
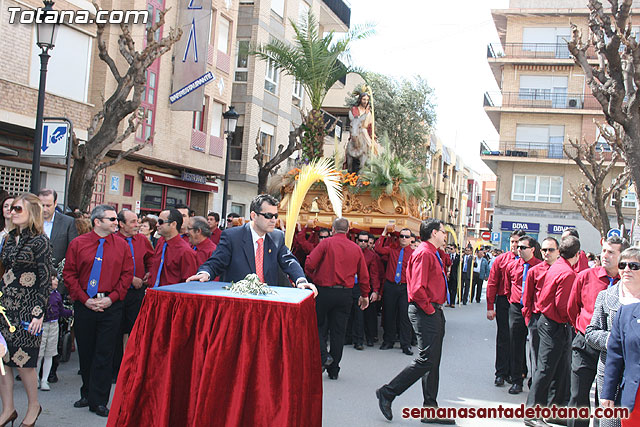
x=68 y=93
x=544 y=102
x=487 y=202
x=270 y=103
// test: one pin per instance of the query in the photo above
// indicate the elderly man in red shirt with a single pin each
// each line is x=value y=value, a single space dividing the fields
x=98 y=271
x=527 y=247
x=498 y=306
x=334 y=266
x=427 y=291
x=200 y=239
x=582 y=300
x=394 y=302
x=554 y=354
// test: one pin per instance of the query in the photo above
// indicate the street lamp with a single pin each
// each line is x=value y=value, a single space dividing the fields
x=231 y=120
x=46 y=39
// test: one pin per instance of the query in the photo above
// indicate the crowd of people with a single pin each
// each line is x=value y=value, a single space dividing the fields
x=550 y=294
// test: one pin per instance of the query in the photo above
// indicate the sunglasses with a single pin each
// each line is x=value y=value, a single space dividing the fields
x=548 y=249
x=522 y=248
x=162 y=221
x=16 y=209
x=363 y=241
x=268 y=215
x=110 y=218
x=322 y=237
x=402 y=236
x=635 y=266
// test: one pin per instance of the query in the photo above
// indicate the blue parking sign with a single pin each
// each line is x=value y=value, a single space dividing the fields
x=495 y=237
x=54 y=139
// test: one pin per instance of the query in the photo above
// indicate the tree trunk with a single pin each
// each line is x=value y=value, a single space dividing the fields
x=82 y=181
x=313 y=136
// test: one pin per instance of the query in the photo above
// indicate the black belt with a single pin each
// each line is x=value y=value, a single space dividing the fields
x=101 y=294
x=338 y=287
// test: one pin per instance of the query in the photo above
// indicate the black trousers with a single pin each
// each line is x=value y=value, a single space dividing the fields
x=535 y=341
x=131 y=308
x=332 y=309
x=518 y=344
x=429 y=330
x=96 y=335
x=554 y=357
x=453 y=288
x=584 y=364
x=371 y=322
x=502 y=336
x=465 y=287
x=395 y=305
x=476 y=287
x=357 y=318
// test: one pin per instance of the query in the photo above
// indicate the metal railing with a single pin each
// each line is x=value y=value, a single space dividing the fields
x=542 y=98
x=534 y=50
x=538 y=150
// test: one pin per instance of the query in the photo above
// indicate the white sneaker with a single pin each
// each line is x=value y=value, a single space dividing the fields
x=44 y=386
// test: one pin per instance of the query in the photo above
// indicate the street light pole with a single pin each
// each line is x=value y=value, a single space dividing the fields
x=231 y=119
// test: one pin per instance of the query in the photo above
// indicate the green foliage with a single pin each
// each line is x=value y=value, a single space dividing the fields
x=405 y=110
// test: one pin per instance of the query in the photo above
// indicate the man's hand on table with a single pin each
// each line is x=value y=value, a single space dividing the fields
x=303 y=284
x=200 y=277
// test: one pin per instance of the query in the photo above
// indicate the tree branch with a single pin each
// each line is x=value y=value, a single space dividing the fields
x=121 y=156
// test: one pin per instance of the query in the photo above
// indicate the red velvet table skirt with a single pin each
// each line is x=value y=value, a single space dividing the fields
x=218 y=361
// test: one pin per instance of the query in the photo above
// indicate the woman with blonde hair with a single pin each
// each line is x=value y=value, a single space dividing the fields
x=25 y=287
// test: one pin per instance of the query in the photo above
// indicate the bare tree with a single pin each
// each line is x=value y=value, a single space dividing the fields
x=615 y=80
x=104 y=132
x=271 y=167
x=592 y=196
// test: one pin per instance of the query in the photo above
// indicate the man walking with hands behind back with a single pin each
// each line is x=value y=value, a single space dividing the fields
x=427 y=290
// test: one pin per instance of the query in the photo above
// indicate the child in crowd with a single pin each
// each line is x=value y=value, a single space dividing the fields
x=50 y=332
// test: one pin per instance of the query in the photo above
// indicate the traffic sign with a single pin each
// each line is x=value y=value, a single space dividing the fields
x=485 y=235
x=495 y=237
x=54 y=139
x=614 y=232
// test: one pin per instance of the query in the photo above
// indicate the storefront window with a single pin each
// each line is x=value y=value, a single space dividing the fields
x=175 y=196
x=151 y=197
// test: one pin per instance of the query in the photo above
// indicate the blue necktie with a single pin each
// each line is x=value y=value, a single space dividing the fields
x=446 y=282
x=133 y=255
x=356 y=279
x=399 y=266
x=611 y=279
x=94 y=277
x=164 y=248
x=524 y=279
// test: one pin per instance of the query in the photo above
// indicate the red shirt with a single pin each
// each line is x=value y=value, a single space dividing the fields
x=116 y=273
x=204 y=250
x=554 y=296
x=215 y=235
x=179 y=262
x=582 y=264
x=336 y=261
x=371 y=259
x=496 y=284
x=304 y=243
x=143 y=252
x=393 y=253
x=425 y=278
x=516 y=270
x=582 y=299
x=535 y=281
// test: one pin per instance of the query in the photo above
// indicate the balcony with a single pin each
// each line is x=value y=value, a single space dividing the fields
x=534 y=51
x=536 y=150
x=336 y=15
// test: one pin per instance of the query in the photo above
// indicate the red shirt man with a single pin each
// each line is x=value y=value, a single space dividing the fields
x=213 y=219
x=204 y=250
x=497 y=283
x=393 y=254
x=426 y=274
x=371 y=259
x=143 y=252
x=516 y=273
x=533 y=286
x=554 y=296
x=199 y=239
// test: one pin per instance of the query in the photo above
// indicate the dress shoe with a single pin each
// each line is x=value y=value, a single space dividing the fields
x=384 y=404
x=535 y=422
x=499 y=382
x=100 y=410
x=508 y=379
x=82 y=403
x=515 y=389
x=358 y=346
x=23 y=424
x=448 y=421
x=11 y=419
x=44 y=386
x=327 y=362
x=407 y=351
x=53 y=378
x=369 y=343
x=333 y=376
x=386 y=346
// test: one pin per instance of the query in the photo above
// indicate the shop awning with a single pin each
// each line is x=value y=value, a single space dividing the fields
x=154 y=177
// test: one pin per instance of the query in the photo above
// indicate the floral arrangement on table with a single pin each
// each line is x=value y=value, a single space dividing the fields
x=250 y=285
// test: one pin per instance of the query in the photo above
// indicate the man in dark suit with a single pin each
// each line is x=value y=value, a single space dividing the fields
x=467 y=269
x=256 y=247
x=61 y=230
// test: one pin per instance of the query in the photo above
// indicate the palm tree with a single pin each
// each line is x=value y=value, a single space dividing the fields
x=315 y=62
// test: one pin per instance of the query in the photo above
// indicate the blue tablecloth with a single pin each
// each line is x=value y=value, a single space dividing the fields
x=284 y=294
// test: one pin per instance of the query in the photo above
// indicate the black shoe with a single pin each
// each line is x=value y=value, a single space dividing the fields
x=18 y=378
x=333 y=376
x=100 y=410
x=328 y=362
x=533 y=422
x=358 y=346
x=386 y=346
x=499 y=382
x=82 y=403
x=369 y=343
x=515 y=389
x=508 y=379
x=448 y=421
x=407 y=351
x=384 y=404
x=53 y=378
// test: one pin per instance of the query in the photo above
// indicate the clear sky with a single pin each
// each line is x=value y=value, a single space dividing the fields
x=445 y=43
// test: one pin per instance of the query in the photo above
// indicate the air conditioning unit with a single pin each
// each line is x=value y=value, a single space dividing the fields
x=574 y=103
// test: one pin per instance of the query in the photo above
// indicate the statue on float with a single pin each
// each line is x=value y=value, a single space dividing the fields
x=362 y=142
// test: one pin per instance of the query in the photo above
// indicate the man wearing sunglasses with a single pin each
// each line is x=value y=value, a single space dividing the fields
x=256 y=247
x=582 y=301
x=98 y=271
x=517 y=327
x=395 y=302
x=554 y=354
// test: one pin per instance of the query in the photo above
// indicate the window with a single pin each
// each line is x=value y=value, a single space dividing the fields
x=303 y=13
x=176 y=196
x=242 y=61
x=532 y=188
x=541 y=137
x=223 y=35
x=216 y=119
x=236 y=144
x=552 y=41
x=151 y=196
x=544 y=88
x=15 y=180
x=266 y=141
x=237 y=208
x=272 y=77
x=298 y=93
x=278 y=7
x=127 y=188
x=199 y=116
